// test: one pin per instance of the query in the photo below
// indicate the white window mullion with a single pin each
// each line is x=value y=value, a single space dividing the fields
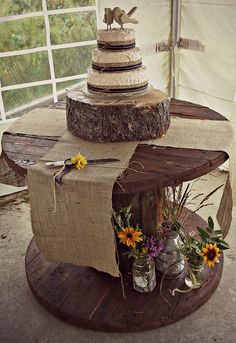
x=21 y=16
x=50 y=12
x=50 y=58
x=97 y=11
x=72 y=10
x=2 y=110
x=45 y=48
x=42 y=83
x=73 y=45
x=22 y=52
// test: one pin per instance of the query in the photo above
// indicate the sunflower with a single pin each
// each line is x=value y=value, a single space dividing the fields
x=130 y=236
x=79 y=161
x=210 y=254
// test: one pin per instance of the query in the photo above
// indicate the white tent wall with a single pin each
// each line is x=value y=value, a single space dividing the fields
x=154 y=26
x=209 y=77
x=206 y=77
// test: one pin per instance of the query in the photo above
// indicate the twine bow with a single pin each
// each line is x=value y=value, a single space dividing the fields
x=78 y=161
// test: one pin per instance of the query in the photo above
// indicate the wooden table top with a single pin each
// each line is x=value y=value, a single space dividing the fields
x=163 y=166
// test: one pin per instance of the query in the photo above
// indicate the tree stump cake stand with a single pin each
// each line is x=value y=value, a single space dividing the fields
x=93 y=299
x=115 y=119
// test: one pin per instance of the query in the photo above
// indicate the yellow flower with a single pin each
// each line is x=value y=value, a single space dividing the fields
x=210 y=254
x=73 y=160
x=79 y=161
x=130 y=236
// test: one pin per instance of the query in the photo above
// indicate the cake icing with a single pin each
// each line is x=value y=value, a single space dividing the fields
x=116 y=63
x=121 y=81
x=104 y=58
x=116 y=37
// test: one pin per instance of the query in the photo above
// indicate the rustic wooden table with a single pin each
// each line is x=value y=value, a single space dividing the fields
x=93 y=299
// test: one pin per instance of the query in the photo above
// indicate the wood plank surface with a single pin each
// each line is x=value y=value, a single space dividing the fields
x=92 y=299
x=162 y=165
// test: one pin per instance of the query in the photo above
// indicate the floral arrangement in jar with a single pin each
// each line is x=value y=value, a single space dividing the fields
x=198 y=248
x=139 y=246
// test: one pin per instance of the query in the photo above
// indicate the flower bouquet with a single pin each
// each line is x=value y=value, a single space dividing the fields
x=200 y=247
x=142 y=248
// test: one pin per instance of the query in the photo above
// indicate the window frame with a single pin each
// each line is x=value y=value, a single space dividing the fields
x=45 y=13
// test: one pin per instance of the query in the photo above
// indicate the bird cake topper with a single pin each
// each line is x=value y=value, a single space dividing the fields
x=118 y=15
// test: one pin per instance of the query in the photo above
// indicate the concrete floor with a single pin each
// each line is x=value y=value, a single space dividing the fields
x=23 y=319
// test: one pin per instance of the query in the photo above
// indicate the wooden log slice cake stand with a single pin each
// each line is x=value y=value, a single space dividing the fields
x=100 y=118
x=93 y=299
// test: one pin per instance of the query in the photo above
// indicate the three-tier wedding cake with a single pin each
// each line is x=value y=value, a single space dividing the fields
x=116 y=63
x=117 y=103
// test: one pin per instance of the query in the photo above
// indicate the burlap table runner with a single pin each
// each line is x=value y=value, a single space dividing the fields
x=80 y=231
x=41 y=121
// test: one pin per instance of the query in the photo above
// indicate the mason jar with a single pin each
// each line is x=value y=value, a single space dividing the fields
x=170 y=261
x=194 y=275
x=144 y=276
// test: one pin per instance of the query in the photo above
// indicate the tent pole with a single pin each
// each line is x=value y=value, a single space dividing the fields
x=174 y=51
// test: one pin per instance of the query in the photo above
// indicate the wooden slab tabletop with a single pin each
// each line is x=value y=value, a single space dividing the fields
x=162 y=165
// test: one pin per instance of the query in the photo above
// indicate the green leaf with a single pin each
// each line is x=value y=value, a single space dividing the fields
x=211 y=223
x=209 y=230
x=203 y=234
x=222 y=245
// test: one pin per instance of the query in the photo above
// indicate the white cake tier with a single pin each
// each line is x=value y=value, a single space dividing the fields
x=115 y=35
x=117 y=81
x=116 y=58
x=116 y=39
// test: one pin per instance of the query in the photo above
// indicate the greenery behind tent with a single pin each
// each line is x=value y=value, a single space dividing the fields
x=30 y=33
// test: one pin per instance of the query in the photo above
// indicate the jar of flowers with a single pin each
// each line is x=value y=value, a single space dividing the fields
x=199 y=249
x=141 y=248
x=203 y=246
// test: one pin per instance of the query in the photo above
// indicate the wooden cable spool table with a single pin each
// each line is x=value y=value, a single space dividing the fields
x=92 y=299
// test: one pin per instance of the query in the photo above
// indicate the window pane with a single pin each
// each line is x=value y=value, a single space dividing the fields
x=76 y=27
x=14 y=7
x=67 y=84
x=55 y=4
x=18 y=97
x=72 y=61
x=22 y=34
x=24 y=68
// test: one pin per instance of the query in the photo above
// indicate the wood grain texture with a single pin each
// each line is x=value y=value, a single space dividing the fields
x=162 y=166
x=116 y=120
x=87 y=298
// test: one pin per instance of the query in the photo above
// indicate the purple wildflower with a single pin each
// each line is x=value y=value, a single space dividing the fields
x=154 y=246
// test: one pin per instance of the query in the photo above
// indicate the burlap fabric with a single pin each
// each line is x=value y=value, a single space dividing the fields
x=41 y=121
x=80 y=231
x=75 y=225
x=209 y=135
